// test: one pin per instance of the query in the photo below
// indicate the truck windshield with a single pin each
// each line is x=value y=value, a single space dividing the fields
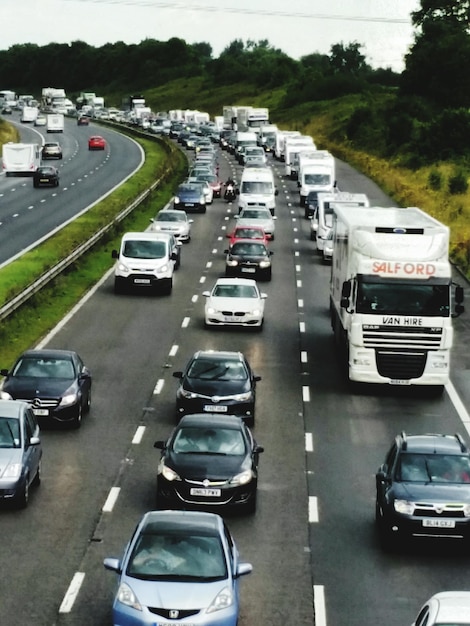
x=403 y=299
x=317 y=179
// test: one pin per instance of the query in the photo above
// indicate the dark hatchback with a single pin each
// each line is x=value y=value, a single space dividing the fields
x=56 y=383
x=190 y=197
x=248 y=258
x=217 y=382
x=423 y=489
x=46 y=176
x=208 y=461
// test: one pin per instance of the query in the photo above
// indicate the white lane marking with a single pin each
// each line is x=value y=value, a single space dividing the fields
x=113 y=495
x=173 y=350
x=306 y=393
x=72 y=592
x=300 y=303
x=312 y=509
x=308 y=442
x=158 y=387
x=139 y=433
x=209 y=264
x=298 y=268
x=185 y=323
x=202 y=279
x=299 y=284
x=319 y=603
x=302 y=327
x=303 y=356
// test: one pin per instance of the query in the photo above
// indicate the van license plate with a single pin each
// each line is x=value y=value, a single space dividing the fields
x=439 y=523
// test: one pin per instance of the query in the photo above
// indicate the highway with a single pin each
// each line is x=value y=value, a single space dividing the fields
x=312 y=542
x=27 y=215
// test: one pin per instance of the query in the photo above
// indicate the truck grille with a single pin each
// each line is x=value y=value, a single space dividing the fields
x=413 y=337
x=400 y=365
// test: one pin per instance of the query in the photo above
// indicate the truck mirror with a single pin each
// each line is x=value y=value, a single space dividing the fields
x=459 y=294
x=345 y=294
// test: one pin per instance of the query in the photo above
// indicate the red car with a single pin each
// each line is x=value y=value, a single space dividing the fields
x=247 y=232
x=96 y=142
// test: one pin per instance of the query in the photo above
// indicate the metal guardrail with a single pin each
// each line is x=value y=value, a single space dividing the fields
x=13 y=304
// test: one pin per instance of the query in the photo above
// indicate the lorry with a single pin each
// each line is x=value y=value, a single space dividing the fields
x=257 y=117
x=292 y=146
x=267 y=137
x=20 y=158
x=28 y=114
x=55 y=123
x=392 y=297
x=318 y=175
x=242 y=118
x=129 y=103
x=54 y=100
x=243 y=140
x=280 y=140
x=230 y=117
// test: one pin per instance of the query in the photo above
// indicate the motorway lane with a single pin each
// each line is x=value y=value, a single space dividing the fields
x=28 y=214
x=132 y=343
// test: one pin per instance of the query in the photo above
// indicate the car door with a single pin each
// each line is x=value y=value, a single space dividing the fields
x=32 y=452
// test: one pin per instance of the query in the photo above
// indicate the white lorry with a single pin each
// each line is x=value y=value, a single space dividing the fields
x=28 y=114
x=230 y=117
x=316 y=176
x=257 y=117
x=55 y=123
x=280 y=140
x=322 y=220
x=267 y=137
x=257 y=188
x=243 y=113
x=20 y=158
x=392 y=297
x=292 y=146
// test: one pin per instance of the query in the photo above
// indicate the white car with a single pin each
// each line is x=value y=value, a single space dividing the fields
x=447 y=607
x=234 y=302
x=328 y=247
x=257 y=216
x=173 y=221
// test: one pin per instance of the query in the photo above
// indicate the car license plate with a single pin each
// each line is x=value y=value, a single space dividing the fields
x=398 y=381
x=41 y=412
x=249 y=270
x=439 y=523
x=208 y=493
x=43 y=180
x=174 y=624
x=215 y=408
x=142 y=281
x=232 y=318
x=189 y=203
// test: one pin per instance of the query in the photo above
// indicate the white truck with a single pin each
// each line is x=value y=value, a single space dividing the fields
x=392 y=297
x=242 y=140
x=257 y=117
x=315 y=177
x=280 y=140
x=267 y=137
x=230 y=117
x=55 y=123
x=257 y=188
x=28 y=114
x=20 y=158
x=243 y=113
x=322 y=221
x=54 y=99
x=292 y=146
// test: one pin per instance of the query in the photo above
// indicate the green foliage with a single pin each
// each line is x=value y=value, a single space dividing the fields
x=458 y=182
x=435 y=180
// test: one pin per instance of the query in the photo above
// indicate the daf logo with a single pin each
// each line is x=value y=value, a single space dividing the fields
x=174 y=614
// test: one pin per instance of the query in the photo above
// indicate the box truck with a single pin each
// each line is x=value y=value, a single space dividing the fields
x=20 y=158
x=55 y=123
x=316 y=176
x=392 y=297
x=292 y=147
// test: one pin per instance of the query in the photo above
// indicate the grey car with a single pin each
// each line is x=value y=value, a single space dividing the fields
x=20 y=452
x=173 y=221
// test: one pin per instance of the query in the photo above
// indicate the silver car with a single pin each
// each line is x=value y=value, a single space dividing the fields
x=20 y=452
x=173 y=221
x=257 y=216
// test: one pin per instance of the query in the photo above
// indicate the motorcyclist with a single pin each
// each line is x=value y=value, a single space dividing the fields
x=230 y=192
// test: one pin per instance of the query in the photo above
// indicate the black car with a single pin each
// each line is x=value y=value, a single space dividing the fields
x=209 y=460
x=190 y=197
x=423 y=489
x=311 y=204
x=55 y=382
x=248 y=258
x=217 y=382
x=46 y=176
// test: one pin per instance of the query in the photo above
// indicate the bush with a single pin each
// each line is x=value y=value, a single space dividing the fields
x=458 y=183
x=435 y=180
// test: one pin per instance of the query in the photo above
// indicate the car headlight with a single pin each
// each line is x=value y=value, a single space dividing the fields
x=256 y=312
x=126 y=596
x=187 y=394
x=242 y=397
x=123 y=268
x=232 y=262
x=12 y=471
x=176 y=200
x=69 y=399
x=211 y=310
x=222 y=600
x=243 y=478
x=167 y=472
x=162 y=269
x=202 y=199
x=5 y=396
x=404 y=507
x=266 y=263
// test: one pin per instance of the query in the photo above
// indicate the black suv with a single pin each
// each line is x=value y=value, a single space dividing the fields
x=423 y=489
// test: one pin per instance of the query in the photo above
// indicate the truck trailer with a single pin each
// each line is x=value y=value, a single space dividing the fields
x=392 y=297
x=20 y=158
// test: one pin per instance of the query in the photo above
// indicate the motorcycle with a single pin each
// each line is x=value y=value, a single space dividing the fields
x=230 y=193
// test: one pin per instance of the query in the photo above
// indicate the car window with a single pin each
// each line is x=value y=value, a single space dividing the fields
x=9 y=432
x=44 y=368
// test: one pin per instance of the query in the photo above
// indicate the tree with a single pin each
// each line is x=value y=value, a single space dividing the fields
x=347 y=59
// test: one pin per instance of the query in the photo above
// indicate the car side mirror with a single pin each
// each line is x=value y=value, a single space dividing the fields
x=178 y=374
x=206 y=294
x=115 y=254
x=257 y=378
x=276 y=192
x=160 y=444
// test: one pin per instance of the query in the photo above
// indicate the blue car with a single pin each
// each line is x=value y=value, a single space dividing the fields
x=190 y=197
x=180 y=567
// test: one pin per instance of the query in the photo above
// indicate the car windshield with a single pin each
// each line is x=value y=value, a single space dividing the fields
x=395 y=298
x=217 y=370
x=189 y=189
x=141 y=249
x=177 y=556
x=9 y=432
x=260 y=214
x=223 y=441
x=436 y=468
x=44 y=367
x=235 y=291
x=166 y=216
x=254 y=249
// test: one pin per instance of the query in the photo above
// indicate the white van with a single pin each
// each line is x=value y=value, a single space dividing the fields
x=280 y=141
x=316 y=176
x=292 y=147
x=55 y=123
x=257 y=189
x=145 y=260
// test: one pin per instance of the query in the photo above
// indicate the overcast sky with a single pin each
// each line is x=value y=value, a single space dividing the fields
x=298 y=27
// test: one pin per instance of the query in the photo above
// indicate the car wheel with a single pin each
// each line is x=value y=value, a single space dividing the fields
x=77 y=420
x=118 y=286
x=268 y=275
x=87 y=405
x=306 y=213
x=22 y=498
x=37 y=478
x=250 y=508
x=35 y=184
x=167 y=286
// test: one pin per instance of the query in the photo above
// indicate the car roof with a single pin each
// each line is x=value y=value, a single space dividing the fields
x=235 y=281
x=205 y=420
x=432 y=444
x=182 y=521
x=219 y=355
x=12 y=408
x=49 y=353
x=146 y=236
